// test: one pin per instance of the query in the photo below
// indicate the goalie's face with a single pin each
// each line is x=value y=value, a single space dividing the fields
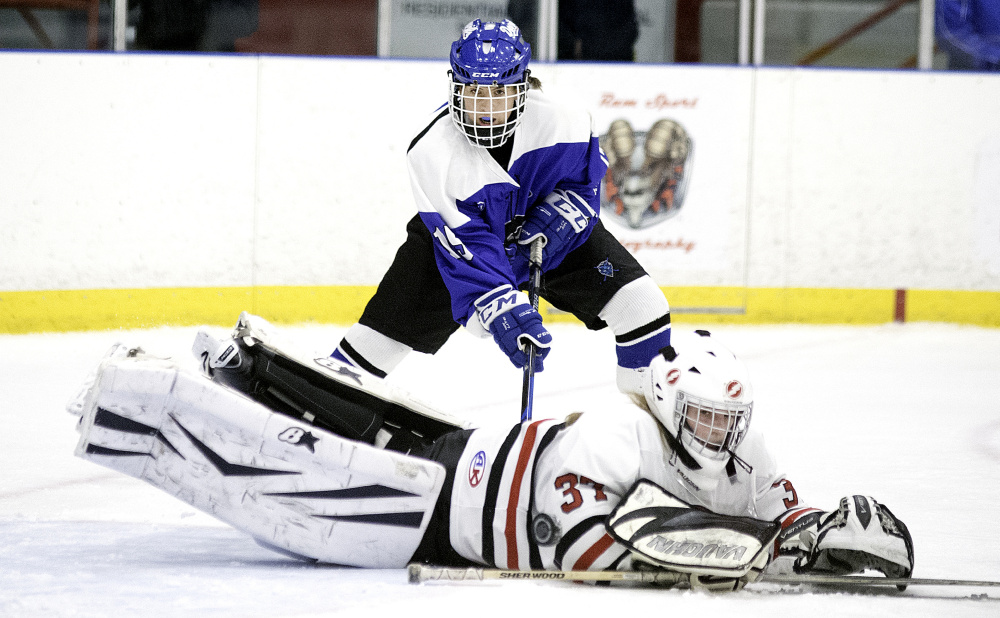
x=711 y=428
x=487 y=114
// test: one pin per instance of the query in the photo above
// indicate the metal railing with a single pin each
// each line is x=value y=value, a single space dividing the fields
x=751 y=33
x=915 y=61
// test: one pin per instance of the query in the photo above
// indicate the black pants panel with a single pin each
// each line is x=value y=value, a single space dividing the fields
x=589 y=276
x=413 y=306
x=435 y=547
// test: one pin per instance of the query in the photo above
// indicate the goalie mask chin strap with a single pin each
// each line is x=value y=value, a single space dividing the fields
x=736 y=460
x=692 y=464
x=678 y=448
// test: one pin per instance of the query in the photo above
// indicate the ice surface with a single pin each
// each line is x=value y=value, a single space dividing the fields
x=907 y=413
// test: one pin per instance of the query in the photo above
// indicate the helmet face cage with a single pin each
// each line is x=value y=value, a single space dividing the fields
x=487 y=114
x=489 y=81
x=710 y=428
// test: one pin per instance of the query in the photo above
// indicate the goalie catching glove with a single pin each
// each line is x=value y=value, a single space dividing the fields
x=860 y=535
x=708 y=551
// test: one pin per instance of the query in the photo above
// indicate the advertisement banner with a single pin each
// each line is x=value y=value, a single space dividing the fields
x=677 y=142
x=426 y=28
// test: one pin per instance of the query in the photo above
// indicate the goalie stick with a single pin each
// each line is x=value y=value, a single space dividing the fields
x=534 y=282
x=862 y=580
x=419 y=573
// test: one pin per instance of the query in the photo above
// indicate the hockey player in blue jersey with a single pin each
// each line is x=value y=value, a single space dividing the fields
x=498 y=167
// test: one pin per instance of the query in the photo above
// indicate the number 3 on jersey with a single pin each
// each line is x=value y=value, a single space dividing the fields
x=569 y=483
x=793 y=497
x=451 y=243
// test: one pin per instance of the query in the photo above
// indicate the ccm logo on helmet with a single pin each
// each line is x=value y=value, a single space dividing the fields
x=485 y=74
x=734 y=389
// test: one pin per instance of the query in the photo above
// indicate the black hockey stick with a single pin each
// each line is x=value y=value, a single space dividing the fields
x=422 y=573
x=534 y=282
x=862 y=580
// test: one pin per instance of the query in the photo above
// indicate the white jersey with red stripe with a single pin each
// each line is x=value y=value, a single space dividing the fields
x=536 y=496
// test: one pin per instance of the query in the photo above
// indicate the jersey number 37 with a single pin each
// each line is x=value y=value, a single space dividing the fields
x=570 y=484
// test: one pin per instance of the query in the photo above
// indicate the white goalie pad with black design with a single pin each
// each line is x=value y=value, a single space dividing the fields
x=292 y=486
x=668 y=532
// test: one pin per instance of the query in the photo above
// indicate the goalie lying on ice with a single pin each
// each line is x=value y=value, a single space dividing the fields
x=317 y=461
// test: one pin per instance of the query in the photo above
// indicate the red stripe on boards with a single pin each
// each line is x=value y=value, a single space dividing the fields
x=900 y=305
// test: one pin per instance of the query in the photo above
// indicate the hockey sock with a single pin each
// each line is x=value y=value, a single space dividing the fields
x=369 y=350
x=639 y=316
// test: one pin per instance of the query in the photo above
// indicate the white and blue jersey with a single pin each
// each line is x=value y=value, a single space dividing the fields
x=473 y=207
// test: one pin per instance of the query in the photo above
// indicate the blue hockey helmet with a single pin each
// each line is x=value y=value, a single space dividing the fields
x=490 y=52
x=489 y=81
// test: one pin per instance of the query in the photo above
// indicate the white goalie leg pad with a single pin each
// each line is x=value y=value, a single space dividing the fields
x=665 y=531
x=77 y=404
x=288 y=484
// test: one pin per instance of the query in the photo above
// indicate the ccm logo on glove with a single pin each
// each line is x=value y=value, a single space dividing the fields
x=519 y=324
x=497 y=302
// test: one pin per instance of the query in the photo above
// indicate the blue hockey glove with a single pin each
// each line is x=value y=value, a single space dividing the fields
x=514 y=323
x=563 y=221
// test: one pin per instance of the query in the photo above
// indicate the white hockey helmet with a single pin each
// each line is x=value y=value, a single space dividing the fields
x=701 y=393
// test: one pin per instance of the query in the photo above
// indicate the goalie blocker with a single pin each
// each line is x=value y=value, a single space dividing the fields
x=717 y=552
